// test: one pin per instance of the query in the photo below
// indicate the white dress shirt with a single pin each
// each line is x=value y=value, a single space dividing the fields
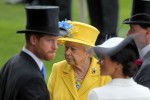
x=120 y=89
x=37 y=60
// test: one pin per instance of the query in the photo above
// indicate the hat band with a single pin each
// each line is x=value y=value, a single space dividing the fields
x=140 y=17
x=48 y=29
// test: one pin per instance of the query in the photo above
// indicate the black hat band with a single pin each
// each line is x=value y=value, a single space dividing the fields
x=47 y=29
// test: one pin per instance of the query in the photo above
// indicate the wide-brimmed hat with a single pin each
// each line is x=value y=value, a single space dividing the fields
x=140 y=13
x=116 y=44
x=42 y=20
x=78 y=32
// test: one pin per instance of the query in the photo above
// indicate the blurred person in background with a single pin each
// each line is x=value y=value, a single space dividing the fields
x=74 y=77
x=21 y=1
x=104 y=16
x=64 y=5
x=139 y=22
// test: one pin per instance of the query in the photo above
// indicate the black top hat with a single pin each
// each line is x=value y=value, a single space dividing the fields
x=42 y=20
x=140 y=13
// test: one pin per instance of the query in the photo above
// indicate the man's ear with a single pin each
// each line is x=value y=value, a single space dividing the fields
x=33 y=39
x=148 y=30
x=148 y=35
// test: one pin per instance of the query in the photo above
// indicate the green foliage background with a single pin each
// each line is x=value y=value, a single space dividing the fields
x=12 y=18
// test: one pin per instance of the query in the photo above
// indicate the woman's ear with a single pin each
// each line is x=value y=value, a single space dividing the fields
x=118 y=65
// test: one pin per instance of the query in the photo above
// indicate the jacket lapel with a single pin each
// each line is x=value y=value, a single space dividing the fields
x=69 y=81
x=145 y=59
x=89 y=80
x=92 y=76
x=26 y=56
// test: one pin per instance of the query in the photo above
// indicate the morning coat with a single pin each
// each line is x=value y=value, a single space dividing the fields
x=21 y=79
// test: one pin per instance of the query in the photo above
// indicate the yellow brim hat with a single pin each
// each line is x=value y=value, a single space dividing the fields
x=80 y=33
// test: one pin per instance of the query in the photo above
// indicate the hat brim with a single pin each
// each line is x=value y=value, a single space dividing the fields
x=63 y=40
x=128 y=21
x=110 y=51
x=40 y=32
x=105 y=49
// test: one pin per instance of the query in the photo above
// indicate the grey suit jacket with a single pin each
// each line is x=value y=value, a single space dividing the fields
x=143 y=75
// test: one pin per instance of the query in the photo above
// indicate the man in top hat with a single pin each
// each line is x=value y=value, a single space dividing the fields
x=22 y=77
x=140 y=23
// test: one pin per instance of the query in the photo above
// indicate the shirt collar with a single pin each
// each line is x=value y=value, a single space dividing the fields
x=122 y=81
x=37 y=60
x=145 y=50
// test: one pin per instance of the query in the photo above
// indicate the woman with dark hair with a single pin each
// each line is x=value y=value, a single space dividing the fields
x=118 y=58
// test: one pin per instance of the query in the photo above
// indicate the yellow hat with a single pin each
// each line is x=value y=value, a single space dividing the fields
x=78 y=32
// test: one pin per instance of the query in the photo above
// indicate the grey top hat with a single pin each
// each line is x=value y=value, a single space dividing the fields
x=42 y=20
x=140 y=13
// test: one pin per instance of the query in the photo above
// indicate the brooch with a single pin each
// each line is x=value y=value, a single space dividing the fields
x=78 y=85
x=93 y=70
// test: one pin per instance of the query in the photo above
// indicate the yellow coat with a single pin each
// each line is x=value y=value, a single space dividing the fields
x=61 y=83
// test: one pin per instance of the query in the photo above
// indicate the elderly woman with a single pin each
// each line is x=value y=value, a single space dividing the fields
x=118 y=58
x=74 y=77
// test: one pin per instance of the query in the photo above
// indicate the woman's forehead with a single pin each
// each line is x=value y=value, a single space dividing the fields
x=73 y=44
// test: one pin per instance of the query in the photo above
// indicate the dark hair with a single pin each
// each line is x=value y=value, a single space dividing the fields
x=127 y=57
x=28 y=35
x=144 y=26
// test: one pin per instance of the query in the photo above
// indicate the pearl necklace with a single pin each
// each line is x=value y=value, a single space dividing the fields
x=79 y=78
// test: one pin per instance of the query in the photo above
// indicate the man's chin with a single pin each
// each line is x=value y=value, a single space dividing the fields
x=51 y=57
